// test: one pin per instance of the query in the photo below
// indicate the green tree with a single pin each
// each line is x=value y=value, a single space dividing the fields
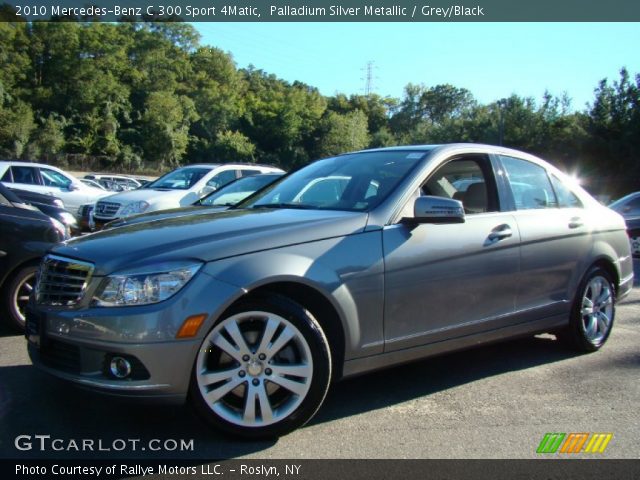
x=16 y=125
x=343 y=133
x=233 y=147
x=48 y=138
x=166 y=121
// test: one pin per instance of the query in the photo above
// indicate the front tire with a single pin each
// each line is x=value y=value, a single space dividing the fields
x=16 y=296
x=263 y=370
x=593 y=312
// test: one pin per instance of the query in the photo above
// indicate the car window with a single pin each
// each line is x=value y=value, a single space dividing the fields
x=27 y=175
x=353 y=182
x=246 y=172
x=323 y=190
x=464 y=179
x=221 y=179
x=566 y=198
x=530 y=184
x=635 y=203
x=51 y=178
x=181 y=179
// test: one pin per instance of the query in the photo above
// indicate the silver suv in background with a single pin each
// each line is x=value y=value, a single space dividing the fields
x=178 y=188
x=400 y=254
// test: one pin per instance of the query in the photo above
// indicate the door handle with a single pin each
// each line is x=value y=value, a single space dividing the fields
x=576 y=222
x=500 y=232
x=3 y=253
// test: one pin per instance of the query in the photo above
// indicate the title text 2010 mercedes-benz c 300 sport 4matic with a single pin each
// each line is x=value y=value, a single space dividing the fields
x=351 y=264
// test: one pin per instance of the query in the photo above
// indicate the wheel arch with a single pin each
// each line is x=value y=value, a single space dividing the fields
x=608 y=266
x=11 y=272
x=320 y=307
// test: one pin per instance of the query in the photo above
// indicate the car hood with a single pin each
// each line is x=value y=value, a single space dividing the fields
x=163 y=214
x=208 y=237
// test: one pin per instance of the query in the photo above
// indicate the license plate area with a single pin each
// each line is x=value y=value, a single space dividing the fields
x=35 y=327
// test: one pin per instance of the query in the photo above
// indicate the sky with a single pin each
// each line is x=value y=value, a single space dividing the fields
x=492 y=60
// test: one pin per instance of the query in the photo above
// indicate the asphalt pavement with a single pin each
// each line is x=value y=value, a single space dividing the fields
x=491 y=402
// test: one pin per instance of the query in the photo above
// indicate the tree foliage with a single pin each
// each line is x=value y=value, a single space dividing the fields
x=131 y=95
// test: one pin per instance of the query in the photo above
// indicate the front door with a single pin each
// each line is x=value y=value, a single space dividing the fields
x=450 y=280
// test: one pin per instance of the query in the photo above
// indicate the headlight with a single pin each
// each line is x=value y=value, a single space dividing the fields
x=133 y=208
x=151 y=284
x=67 y=218
x=63 y=231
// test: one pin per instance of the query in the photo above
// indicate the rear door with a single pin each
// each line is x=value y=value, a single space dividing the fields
x=555 y=235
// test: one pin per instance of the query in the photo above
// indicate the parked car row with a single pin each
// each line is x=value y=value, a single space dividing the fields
x=221 y=199
x=179 y=188
x=348 y=265
x=114 y=183
x=43 y=187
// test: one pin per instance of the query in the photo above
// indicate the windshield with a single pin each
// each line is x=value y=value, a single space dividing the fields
x=238 y=190
x=354 y=182
x=181 y=179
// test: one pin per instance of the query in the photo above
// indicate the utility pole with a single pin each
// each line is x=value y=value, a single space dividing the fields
x=368 y=85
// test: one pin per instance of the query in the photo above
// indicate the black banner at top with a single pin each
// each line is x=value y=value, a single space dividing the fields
x=323 y=10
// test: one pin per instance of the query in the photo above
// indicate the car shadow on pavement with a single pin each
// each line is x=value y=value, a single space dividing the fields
x=396 y=385
x=5 y=330
x=32 y=403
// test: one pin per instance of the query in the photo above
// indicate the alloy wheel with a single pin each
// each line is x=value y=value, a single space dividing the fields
x=254 y=369
x=597 y=309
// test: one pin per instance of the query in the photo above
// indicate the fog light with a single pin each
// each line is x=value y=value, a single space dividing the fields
x=120 y=367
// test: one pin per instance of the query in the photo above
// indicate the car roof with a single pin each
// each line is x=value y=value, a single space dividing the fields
x=25 y=164
x=480 y=147
x=231 y=164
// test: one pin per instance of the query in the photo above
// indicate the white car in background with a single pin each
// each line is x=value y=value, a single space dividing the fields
x=178 y=188
x=114 y=183
x=42 y=178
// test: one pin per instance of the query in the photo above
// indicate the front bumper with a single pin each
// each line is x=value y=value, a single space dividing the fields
x=77 y=345
x=167 y=367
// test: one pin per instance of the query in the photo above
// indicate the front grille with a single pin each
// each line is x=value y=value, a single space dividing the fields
x=62 y=281
x=106 y=209
x=60 y=356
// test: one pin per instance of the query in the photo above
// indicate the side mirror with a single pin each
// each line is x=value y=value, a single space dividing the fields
x=72 y=187
x=430 y=209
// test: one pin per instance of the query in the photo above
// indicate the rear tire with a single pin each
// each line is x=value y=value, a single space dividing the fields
x=263 y=370
x=592 y=314
x=16 y=296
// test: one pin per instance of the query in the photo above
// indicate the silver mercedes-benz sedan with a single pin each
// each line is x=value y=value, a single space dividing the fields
x=351 y=264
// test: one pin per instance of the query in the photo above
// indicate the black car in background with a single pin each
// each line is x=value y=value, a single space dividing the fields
x=25 y=235
x=50 y=206
x=633 y=230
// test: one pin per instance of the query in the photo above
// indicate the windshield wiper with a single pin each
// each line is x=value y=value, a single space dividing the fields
x=298 y=206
